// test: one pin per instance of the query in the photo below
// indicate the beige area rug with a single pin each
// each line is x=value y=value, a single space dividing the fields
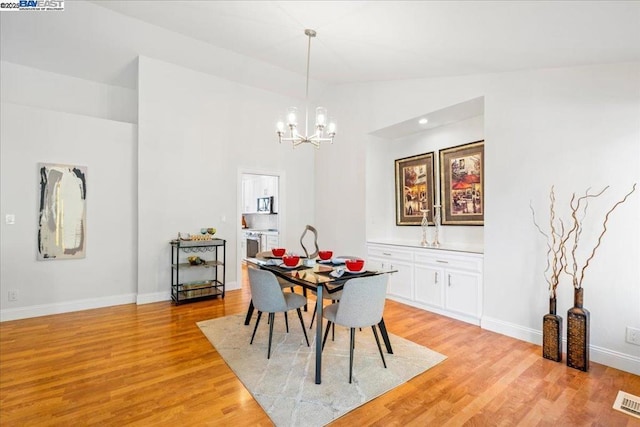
x=285 y=384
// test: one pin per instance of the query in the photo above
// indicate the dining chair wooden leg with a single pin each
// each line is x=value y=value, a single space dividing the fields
x=272 y=320
x=256 y=327
x=326 y=333
x=304 y=330
x=375 y=334
x=351 y=347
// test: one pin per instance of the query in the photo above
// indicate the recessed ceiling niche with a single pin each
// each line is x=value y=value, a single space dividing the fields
x=454 y=113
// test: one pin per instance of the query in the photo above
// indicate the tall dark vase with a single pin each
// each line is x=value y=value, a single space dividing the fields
x=578 y=333
x=552 y=334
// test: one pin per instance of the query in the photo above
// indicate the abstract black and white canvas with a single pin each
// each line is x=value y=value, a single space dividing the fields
x=62 y=219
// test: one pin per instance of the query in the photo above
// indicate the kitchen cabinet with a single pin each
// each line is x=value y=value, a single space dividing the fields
x=258 y=186
x=447 y=282
x=273 y=241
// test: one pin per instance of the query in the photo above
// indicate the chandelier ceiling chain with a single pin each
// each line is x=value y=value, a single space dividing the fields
x=325 y=129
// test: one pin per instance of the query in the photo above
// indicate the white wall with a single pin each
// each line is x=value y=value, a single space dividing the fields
x=380 y=181
x=106 y=276
x=29 y=86
x=570 y=127
x=196 y=131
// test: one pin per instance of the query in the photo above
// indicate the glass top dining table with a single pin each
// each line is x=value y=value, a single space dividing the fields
x=320 y=277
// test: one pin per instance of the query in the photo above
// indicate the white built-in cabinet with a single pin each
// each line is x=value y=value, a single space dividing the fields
x=447 y=282
x=400 y=284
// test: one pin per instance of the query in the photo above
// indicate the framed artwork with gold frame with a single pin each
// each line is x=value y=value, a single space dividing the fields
x=462 y=184
x=414 y=188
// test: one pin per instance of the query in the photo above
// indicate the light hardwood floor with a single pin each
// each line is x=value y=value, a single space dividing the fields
x=151 y=365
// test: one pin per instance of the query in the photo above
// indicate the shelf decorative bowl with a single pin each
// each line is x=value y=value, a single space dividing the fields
x=195 y=260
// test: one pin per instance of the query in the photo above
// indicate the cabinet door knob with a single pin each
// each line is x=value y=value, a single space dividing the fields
x=386 y=253
x=449 y=279
x=436 y=277
x=442 y=262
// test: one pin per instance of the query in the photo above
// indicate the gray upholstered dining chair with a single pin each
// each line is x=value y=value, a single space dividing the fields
x=333 y=297
x=284 y=285
x=361 y=304
x=267 y=297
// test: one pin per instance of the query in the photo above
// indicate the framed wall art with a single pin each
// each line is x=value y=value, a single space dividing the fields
x=62 y=217
x=414 y=188
x=462 y=184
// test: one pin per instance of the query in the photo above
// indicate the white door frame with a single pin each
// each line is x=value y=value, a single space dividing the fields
x=282 y=203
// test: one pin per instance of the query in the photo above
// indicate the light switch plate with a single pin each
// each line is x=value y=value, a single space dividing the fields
x=10 y=219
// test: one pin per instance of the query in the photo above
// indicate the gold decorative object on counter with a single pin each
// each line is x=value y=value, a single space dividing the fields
x=201 y=237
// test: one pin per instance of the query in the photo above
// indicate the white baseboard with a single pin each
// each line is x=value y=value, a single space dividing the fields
x=232 y=286
x=64 y=307
x=511 y=330
x=458 y=316
x=153 y=297
x=166 y=296
x=615 y=359
x=87 y=304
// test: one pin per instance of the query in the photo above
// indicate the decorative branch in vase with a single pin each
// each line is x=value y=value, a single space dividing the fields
x=556 y=260
x=561 y=259
x=577 y=205
x=556 y=240
x=578 y=317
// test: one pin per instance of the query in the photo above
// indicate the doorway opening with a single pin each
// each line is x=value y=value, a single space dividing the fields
x=260 y=204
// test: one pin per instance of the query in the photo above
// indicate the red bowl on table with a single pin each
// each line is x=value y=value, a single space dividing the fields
x=291 y=260
x=354 y=265
x=325 y=255
x=278 y=251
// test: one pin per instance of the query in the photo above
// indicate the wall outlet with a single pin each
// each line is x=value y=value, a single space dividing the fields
x=633 y=335
x=13 y=295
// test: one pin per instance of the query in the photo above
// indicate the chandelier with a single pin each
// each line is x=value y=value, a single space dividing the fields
x=324 y=129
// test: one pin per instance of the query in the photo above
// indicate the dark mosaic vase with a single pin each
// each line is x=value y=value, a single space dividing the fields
x=578 y=333
x=552 y=334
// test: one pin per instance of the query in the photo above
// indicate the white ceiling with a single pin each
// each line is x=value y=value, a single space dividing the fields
x=358 y=41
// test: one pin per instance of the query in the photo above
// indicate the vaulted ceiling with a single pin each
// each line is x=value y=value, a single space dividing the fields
x=358 y=41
